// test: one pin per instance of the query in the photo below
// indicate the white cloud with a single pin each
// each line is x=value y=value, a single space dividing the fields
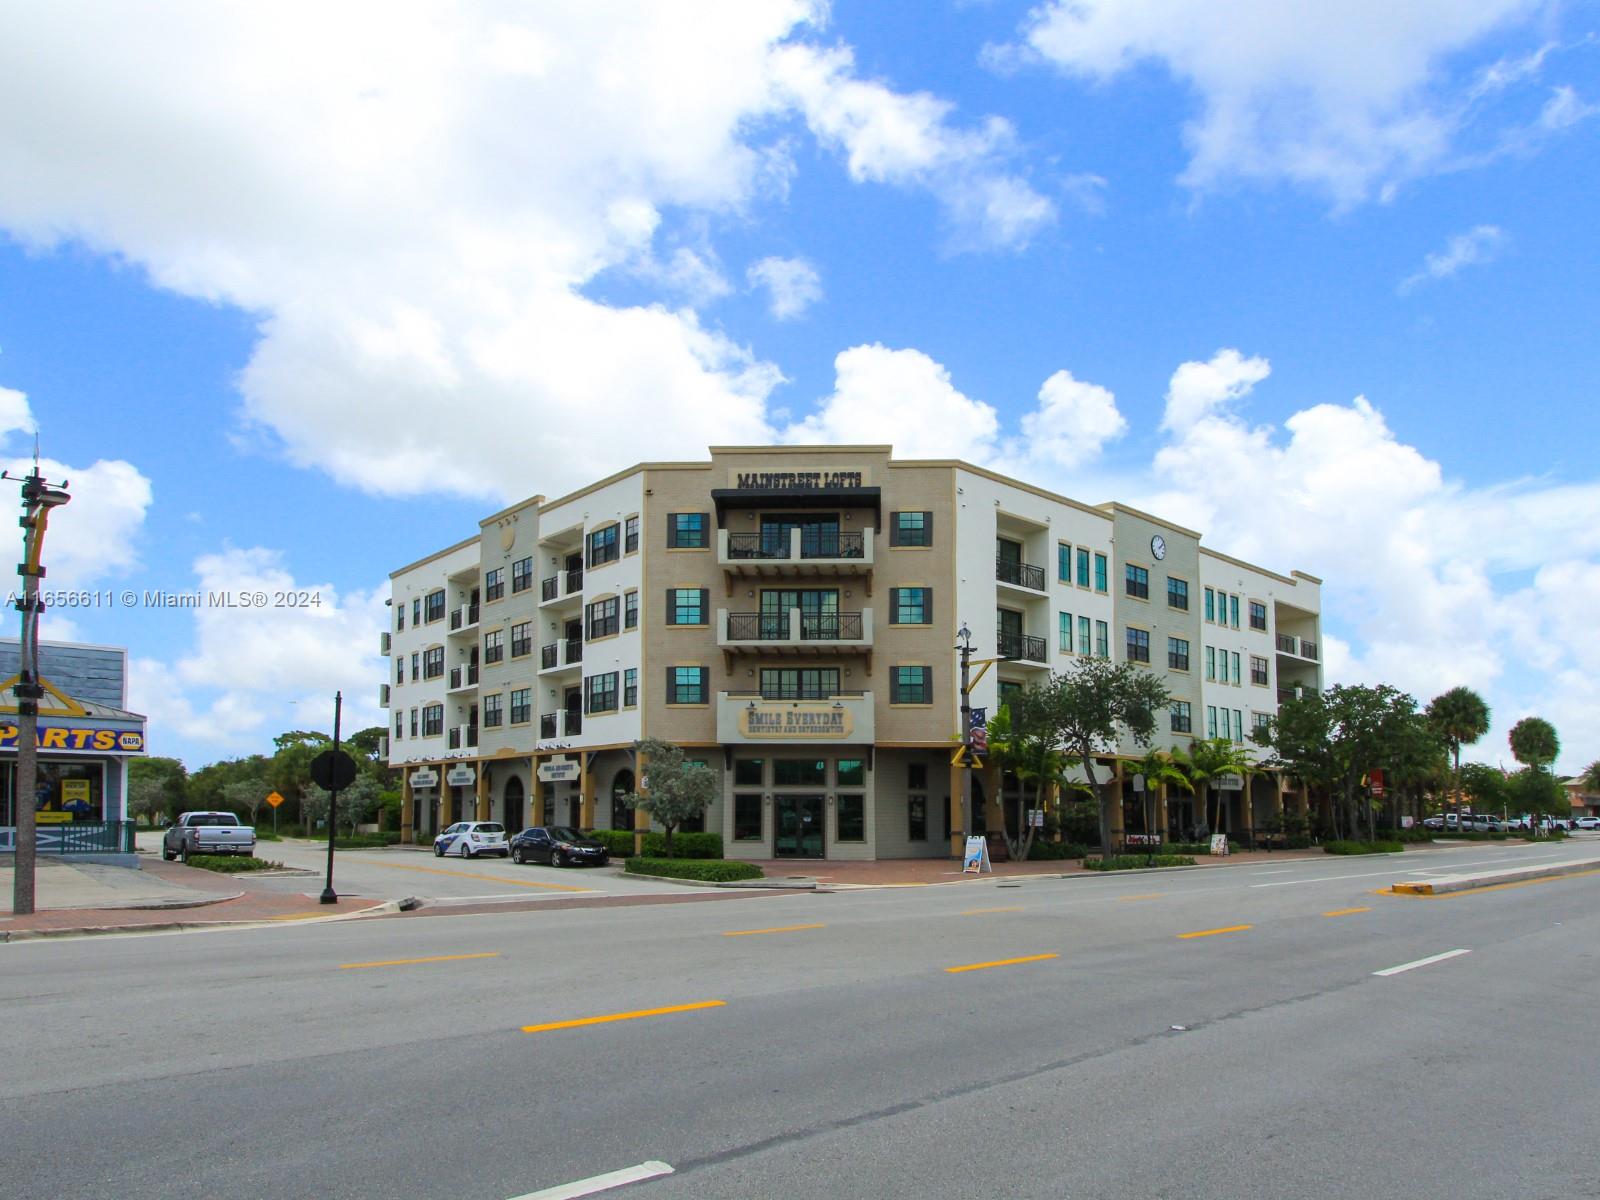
x=1199 y=389
x=1480 y=244
x=792 y=283
x=1563 y=109
x=15 y=415
x=1073 y=422
x=1345 y=98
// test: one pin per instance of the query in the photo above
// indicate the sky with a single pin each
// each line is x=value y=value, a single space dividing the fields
x=294 y=294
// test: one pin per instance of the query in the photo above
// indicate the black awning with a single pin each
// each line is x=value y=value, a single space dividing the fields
x=779 y=499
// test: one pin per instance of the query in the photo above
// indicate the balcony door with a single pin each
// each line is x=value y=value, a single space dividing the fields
x=819 y=535
x=818 y=607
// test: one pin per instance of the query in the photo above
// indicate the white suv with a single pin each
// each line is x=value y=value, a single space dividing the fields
x=472 y=838
x=1587 y=823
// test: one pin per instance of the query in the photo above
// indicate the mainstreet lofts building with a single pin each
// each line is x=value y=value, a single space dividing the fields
x=789 y=616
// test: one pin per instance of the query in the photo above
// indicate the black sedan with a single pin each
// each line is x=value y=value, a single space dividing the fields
x=558 y=846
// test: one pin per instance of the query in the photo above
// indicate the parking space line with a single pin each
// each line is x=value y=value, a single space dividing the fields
x=623 y=1016
x=1345 y=912
x=1200 y=933
x=557 y=887
x=1001 y=962
x=1422 y=962
x=777 y=929
x=600 y=1183
x=406 y=962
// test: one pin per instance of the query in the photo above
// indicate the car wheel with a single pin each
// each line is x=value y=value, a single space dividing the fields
x=438 y=850
x=166 y=854
x=466 y=851
x=558 y=858
x=516 y=856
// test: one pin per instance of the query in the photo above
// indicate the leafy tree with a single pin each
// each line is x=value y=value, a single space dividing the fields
x=1590 y=779
x=1533 y=791
x=356 y=803
x=1486 y=787
x=1461 y=717
x=207 y=787
x=147 y=798
x=678 y=789
x=1159 y=769
x=166 y=781
x=1212 y=758
x=247 y=795
x=1022 y=740
x=1092 y=706
x=1534 y=742
x=1418 y=760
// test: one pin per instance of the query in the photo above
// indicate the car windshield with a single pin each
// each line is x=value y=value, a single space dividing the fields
x=562 y=834
x=214 y=819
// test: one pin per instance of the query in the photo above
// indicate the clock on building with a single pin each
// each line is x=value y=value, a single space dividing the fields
x=1158 y=546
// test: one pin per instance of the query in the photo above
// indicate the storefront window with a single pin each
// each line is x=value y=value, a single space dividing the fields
x=747 y=817
x=852 y=772
x=65 y=792
x=852 y=818
x=747 y=772
x=799 y=772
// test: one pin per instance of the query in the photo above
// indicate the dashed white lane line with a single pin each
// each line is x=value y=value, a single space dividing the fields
x=1422 y=962
x=601 y=1183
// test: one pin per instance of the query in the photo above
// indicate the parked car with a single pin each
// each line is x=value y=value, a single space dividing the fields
x=207 y=833
x=1586 y=823
x=472 y=838
x=1518 y=824
x=1435 y=823
x=558 y=846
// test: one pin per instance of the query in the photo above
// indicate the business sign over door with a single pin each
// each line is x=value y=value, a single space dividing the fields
x=796 y=722
x=461 y=777
x=560 y=771
x=425 y=778
x=807 y=479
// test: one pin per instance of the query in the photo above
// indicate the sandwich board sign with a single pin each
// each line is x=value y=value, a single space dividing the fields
x=1219 y=844
x=975 y=860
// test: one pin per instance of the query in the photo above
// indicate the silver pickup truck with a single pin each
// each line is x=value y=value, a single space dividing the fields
x=207 y=833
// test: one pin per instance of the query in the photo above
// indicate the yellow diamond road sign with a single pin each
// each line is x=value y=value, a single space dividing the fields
x=274 y=799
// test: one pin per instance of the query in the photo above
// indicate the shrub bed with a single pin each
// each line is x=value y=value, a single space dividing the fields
x=1053 y=851
x=1131 y=862
x=619 y=844
x=232 y=864
x=1347 y=847
x=1186 y=848
x=706 y=870
x=363 y=841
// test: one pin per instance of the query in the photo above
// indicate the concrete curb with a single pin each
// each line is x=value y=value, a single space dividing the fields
x=1487 y=879
x=31 y=935
x=749 y=884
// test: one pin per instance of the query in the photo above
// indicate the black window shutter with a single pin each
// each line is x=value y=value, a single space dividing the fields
x=672 y=609
x=927 y=529
x=894 y=605
x=672 y=678
x=705 y=606
x=927 y=606
x=894 y=529
x=894 y=685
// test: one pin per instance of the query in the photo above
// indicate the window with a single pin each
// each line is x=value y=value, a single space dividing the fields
x=433 y=663
x=416 y=611
x=1102 y=639
x=1237 y=677
x=911 y=529
x=1180 y=716
x=911 y=685
x=687 y=606
x=630 y=611
x=522 y=639
x=1008 y=690
x=521 y=706
x=416 y=665
x=600 y=693
x=1065 y=632
x=1258 y=670
x=400 y=616
x=1177 y=593
x=414 y=722
x=1137 y=583
x=686 y=531
x=630 y=688
x=521 y=575
x=630 y=535
x=1233 y=611
x=749 y=772
x=1063 y=562
x=493 y=710
x=602 y=617
x=1138 y=645
x=799 y=772
x=1211 y=662
x=1177 y=654
x=1083 y=635
x=852 y=809
x=399 y=671
x=916 y=818
x=1100 y=573
x=688 y=685
x=911 y=606
x=1211 y=721
x=916 y=777
x=494 y=646
x=1258 y=615
x=1083 y=568
x=435 y=610
x=1259 y=722
x=1238 y=725
x=799 y=683
x=603 y=546
x=1211 y=605
x=747 y=818
x=851 y=772
x=1222 y=666
x=399 y=726
x=433 y=720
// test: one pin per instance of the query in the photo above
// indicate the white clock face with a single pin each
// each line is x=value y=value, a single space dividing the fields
x=1158 y=546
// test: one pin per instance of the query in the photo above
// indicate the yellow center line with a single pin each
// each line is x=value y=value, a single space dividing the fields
x=778 y=929
x=1212 y=932
x=405 y=962
x=556 y=887
x=973 y=912
x=1345 y=912
x=1142 y=896
x=625 y=1016
x=1003 y=962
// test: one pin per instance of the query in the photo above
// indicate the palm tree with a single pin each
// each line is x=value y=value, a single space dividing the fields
x=1159 y=770
x=1461 y=718
x=1210 y=759
x=1031 y=757
x=1590 y=779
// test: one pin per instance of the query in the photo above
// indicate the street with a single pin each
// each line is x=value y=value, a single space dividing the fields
x=1220 y=1033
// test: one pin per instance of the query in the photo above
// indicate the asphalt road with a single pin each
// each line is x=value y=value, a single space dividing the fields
x=1216 y=1033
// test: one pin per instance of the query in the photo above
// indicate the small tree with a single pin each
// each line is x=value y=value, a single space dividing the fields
x=1159 y=769
x=1461 y=717
x=1209 y=759
x=1021 y=739
x=147 y=798
x=678 y=789
x=1534 y=742
x=356 y=802
x=247 y=795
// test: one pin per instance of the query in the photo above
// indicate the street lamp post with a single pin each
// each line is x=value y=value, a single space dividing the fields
x=329 y=896
x=38 y=498
x=964 y=635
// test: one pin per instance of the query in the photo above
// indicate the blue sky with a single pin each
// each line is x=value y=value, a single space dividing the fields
x=294 y=299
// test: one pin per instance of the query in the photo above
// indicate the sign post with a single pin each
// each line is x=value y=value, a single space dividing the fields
x=333 y=770
x=274 y=800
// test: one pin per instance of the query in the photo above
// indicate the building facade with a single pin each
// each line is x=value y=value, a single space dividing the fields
x=788 y=616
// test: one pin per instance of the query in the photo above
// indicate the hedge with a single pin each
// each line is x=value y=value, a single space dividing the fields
x=1347 y=847
x=706 y=870
x=1131 y=862
x=619 y=844
x=1054 y=851
x=231 y=864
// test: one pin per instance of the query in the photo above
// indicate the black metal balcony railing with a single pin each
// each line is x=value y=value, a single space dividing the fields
x=547 y=656
x=454 y=741
x=472 y=735
x=797 y=693
x=572 y=722
x=814 y=543
x=814 y=627
x=757 y=546
x=1308 y=649
x=463 y=677
x=575 y=580
x=1020 y=573
x=1285 y=643
x=455 y=618
x=547 y=725
x=1022 y=646
x=830 y=627
x=472 y=613
x=550 y=588
x=574 y=650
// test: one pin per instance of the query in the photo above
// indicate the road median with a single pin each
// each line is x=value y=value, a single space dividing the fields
x=1448 y=884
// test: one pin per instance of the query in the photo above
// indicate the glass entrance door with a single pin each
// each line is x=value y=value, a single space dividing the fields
x=819 y=611
x=799 y=827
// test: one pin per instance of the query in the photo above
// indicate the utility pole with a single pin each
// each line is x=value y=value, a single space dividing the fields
x=329 y=896
x=965 y=650
x=38 y=498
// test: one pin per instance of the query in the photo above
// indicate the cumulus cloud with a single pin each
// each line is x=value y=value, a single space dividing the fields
x=792 y=284
x=1199 y=389
x=1279 y=99
x=1480 y=244
x=1073 y=422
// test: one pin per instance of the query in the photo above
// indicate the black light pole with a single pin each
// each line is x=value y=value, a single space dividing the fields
x=329 y=896
x=965 y=648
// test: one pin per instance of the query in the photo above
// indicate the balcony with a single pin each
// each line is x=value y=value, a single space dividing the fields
x=463 y=678
x=1020 y=575
x=1298 y=647
x=560 y=656
x=547 y=726
x=462 y=737
x=383 y=695
x=748 y=718
x=549 y=589
x=794 y=632
x=1022 y=647
x=464 y=619
x=383 y=643
x=571 y=723
x=562 y=588
x=803 y=553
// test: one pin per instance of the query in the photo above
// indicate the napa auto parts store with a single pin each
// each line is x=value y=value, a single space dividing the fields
x=86 y=737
